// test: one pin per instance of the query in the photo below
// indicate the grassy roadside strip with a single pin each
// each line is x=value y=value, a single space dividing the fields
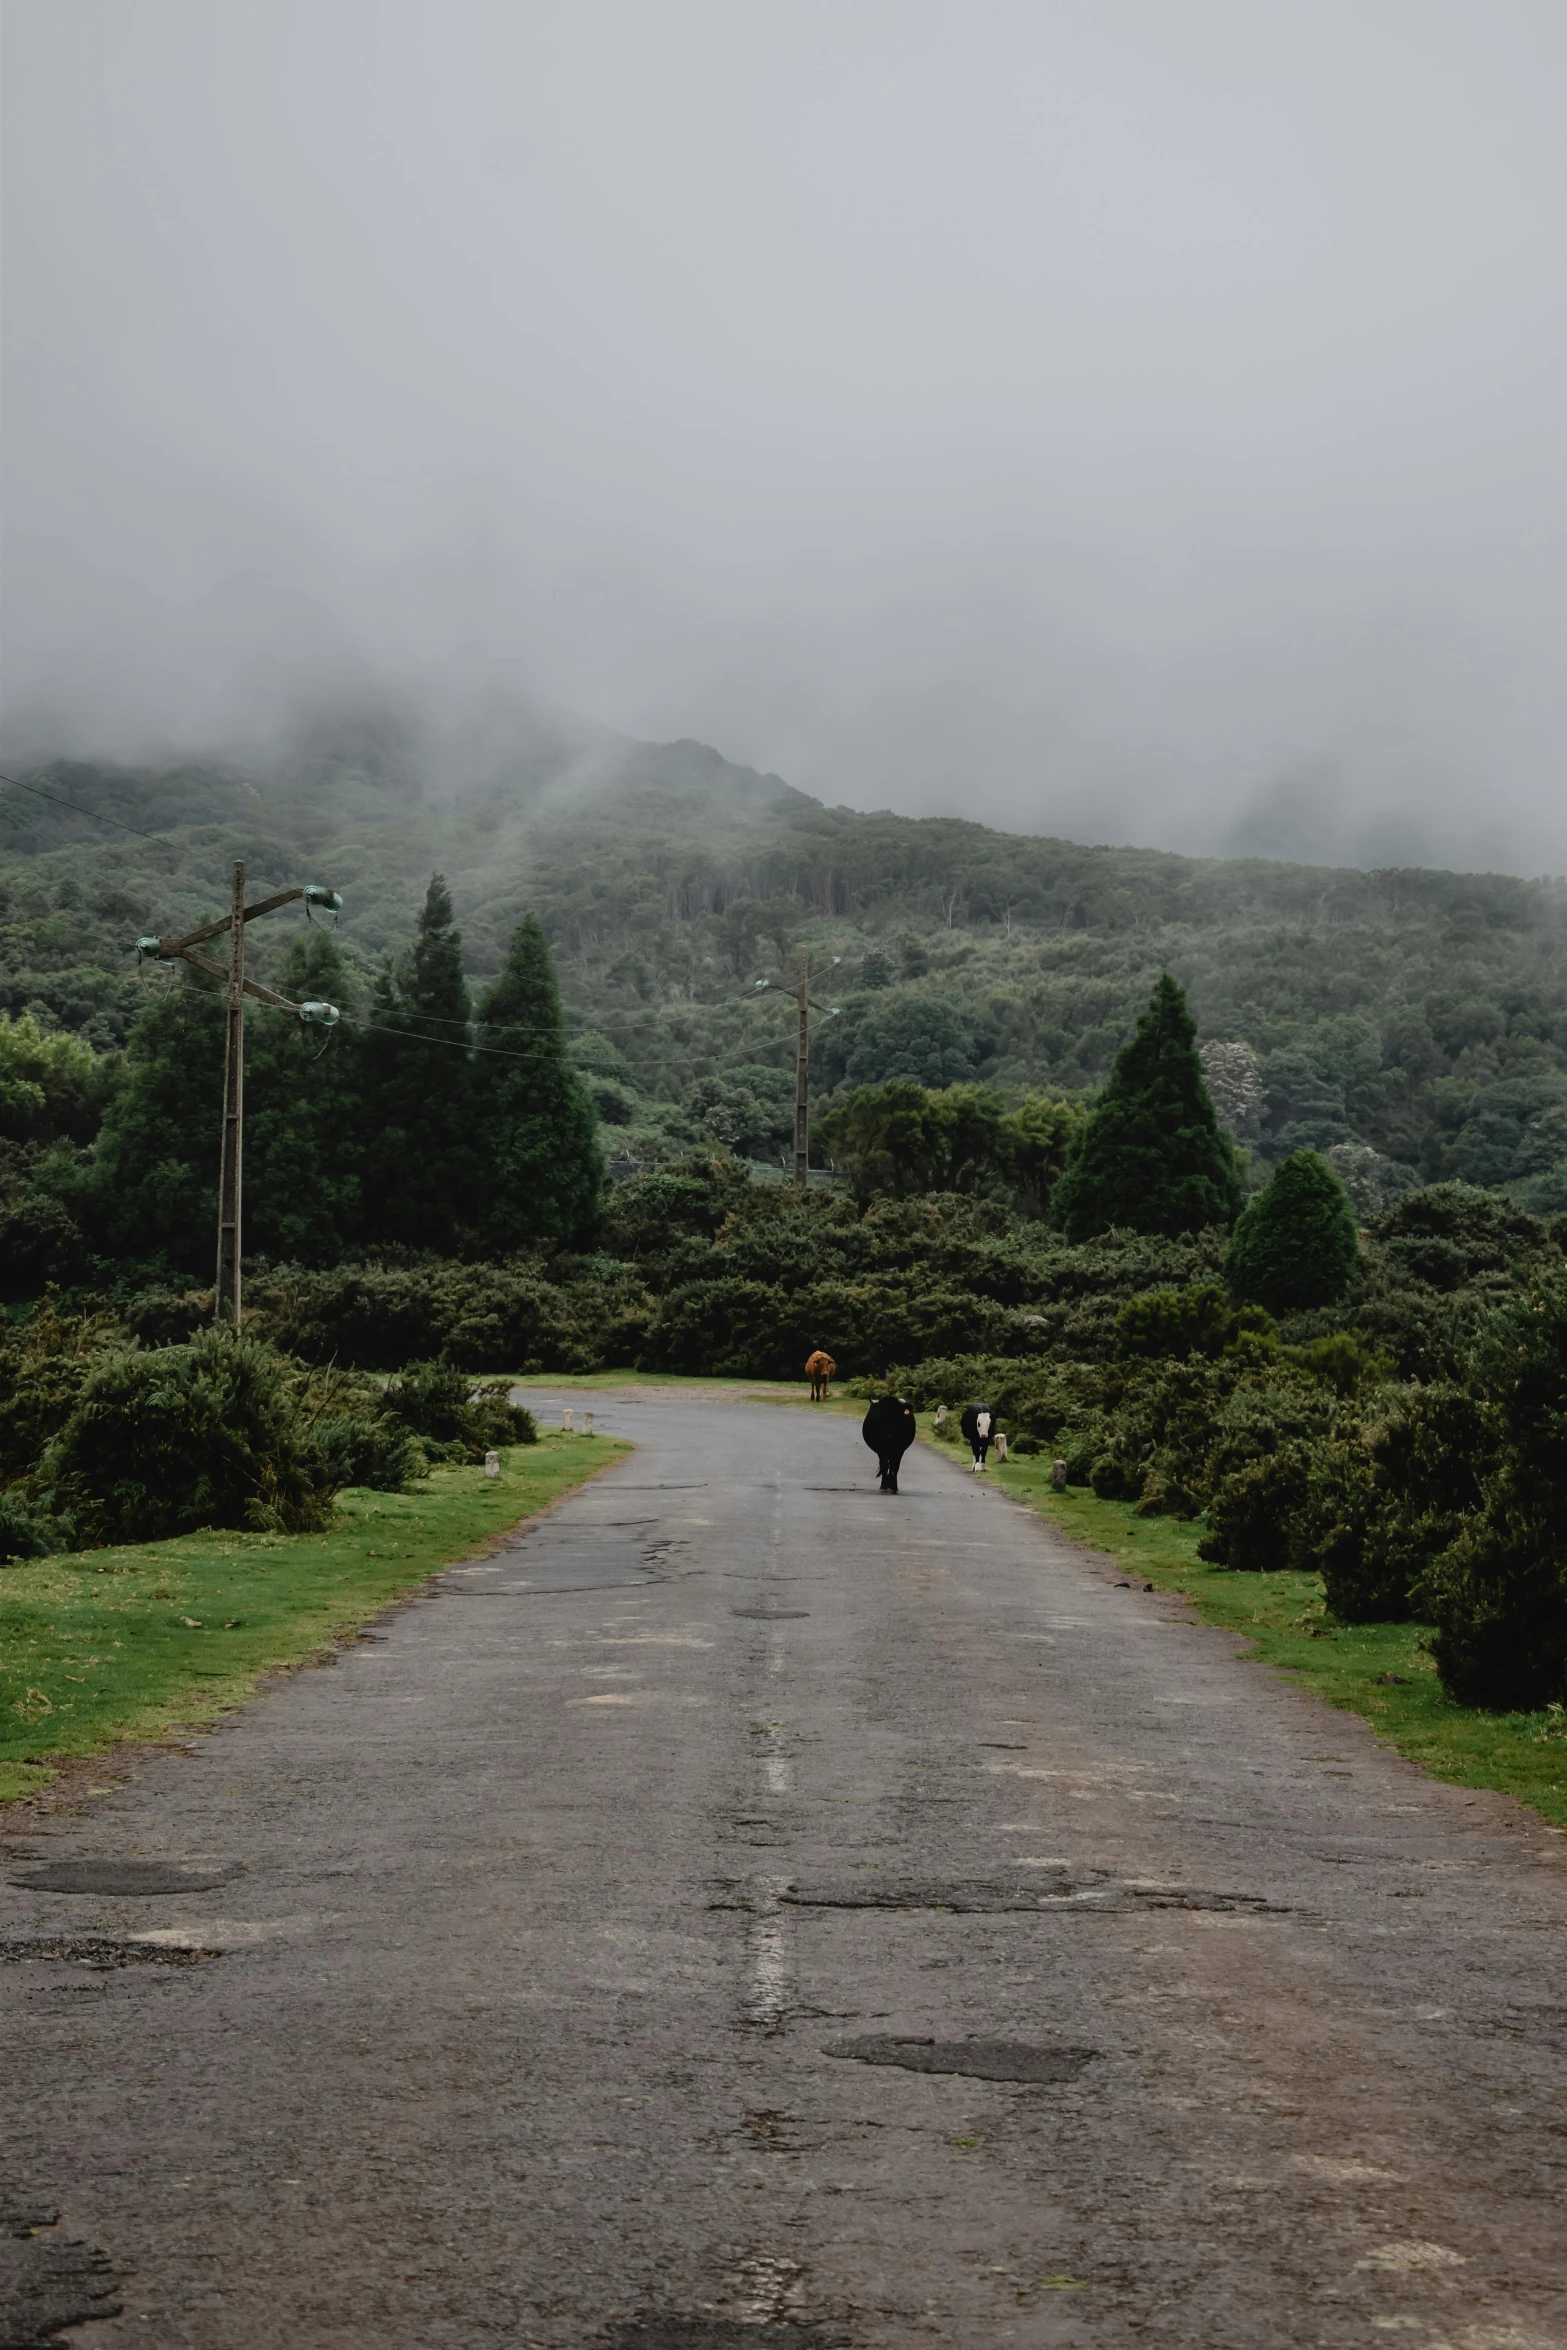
x=106 y=1646
x=1380 y=1671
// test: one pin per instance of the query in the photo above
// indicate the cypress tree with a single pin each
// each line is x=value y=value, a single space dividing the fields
x=304 y=1127
x=538 y=1129
x=1295 y=1244
x=420 y=1160
x=152 y=1189
x=1151 y=1157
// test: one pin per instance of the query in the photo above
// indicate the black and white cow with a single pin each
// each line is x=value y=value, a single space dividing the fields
x=979 y=1426
x=888 y=1428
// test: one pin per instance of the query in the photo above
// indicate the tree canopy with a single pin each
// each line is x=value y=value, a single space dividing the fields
x=906 y=1139
x=1295 y=1243
x=1151 y=1157
x=418 y=1111
x=536 y=1126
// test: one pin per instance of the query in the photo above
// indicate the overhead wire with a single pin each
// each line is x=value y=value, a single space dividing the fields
x=96 y=814
x=378 y=1028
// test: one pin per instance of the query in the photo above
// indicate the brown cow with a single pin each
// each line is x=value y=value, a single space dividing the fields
x=819 y=1369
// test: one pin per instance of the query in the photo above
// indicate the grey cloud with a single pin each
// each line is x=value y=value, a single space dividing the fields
x=1137 y=420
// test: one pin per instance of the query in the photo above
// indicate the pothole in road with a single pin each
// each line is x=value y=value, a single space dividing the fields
x=771 y=1615
x=46 y=2283
x=1063 y=1892
x=721 y=2333
x=120 y=1876
x=976 y=2060
x=97 y=1950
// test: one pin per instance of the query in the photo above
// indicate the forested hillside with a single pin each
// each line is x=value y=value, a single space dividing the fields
x=1420 y=1016
x=1159 y=1155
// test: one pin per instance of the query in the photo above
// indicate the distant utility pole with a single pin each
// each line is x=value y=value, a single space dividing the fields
x=801 y=992
x=167 y=950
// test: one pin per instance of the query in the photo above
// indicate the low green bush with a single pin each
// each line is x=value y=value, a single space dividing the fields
x=161 y=1441
x=1498 y=1594
x=44 y=1364
x=1251 y=1516
x=454 y=1418
x=1389 y=1492
x=30 y=1530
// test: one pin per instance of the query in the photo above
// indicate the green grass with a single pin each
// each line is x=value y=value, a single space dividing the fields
x=1286 y=1623
x=132 y=1644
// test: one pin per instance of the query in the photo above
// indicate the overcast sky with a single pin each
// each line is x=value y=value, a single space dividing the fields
x=1142 y=419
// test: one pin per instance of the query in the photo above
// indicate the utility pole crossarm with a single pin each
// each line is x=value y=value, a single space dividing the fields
x=310 y=891
x=169 y=947
x=265 y=995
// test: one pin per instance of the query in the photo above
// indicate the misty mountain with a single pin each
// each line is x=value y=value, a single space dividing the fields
x=1416 y=1016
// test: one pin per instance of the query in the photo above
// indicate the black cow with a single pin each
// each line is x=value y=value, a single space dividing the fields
x=888 y=1428
x=979 y=1426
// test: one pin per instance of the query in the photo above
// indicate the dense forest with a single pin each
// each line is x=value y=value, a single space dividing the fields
x=1413 y=1022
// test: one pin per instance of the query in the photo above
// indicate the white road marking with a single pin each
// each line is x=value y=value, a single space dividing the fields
x=1415 y=2253
x=759 y=2287
x=766 y=1957
x=1343 y=2172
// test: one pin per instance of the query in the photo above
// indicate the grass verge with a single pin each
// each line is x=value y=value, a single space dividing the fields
x=105 y=1646
x=1380 y=1671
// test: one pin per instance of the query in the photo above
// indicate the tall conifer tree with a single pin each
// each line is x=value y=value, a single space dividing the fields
x=1152 y=1158
x=420 y=1155
x=537 y=1124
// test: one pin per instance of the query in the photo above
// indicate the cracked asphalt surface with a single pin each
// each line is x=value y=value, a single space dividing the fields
x=601 y=1943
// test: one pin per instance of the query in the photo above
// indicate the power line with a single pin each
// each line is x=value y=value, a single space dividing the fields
x=378 y=1028
x=96 y=814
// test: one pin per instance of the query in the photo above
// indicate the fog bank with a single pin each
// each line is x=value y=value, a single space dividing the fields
x=1137 y=420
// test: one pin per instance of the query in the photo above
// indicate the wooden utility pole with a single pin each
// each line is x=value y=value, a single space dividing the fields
x=226 y=1305
x=801 y=991
x=227 y=1285
x=802 y=1055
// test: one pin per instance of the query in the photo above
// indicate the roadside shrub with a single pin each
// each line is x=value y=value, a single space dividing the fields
x=29 y=1530
x=455 y=1420
x=356 y=1440
x=44 y=1365
x=756 y=1329
x=1110 y=1478
x=1295 y=1244
x=1250 y=1514
x=1498 y=1601
x=483 y=1317
x=161 y=1441
x=1498 y=1594
x=1389 y=1493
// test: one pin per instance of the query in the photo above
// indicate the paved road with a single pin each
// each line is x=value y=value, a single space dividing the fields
x=596 y=1939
